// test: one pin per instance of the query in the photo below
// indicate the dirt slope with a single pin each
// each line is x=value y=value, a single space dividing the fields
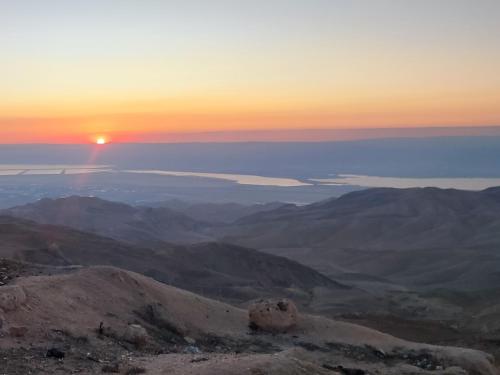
x=76 y=303
x=226 y=271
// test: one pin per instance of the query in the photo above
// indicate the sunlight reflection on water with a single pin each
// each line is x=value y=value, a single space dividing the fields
x=468 y=183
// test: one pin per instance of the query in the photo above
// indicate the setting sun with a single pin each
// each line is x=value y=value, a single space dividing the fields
x=101 y=141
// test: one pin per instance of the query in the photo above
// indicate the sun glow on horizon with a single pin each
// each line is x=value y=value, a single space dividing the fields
x=101 y=141
x=162 y=70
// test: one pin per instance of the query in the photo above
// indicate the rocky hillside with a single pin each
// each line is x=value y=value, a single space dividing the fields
x=379 y=219
x=424 y=238
x=419 y=263
x=113 y=219
x=104 y=319
x=217 y=213
x=229 y=272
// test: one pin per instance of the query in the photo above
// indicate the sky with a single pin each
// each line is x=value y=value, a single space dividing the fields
x=164 y=70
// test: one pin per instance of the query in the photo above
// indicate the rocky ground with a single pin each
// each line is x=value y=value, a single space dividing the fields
x=105 y=320
x=11 y=270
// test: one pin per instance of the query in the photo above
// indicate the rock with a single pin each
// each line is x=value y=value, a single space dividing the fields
x=55 y=353
x=18 y=331
x=93 y=358
x=192 y=350
x=379 y=353
x=136 y=334
x=273 y=315
x=201 y=359
x=11 y=297
x=190 y=340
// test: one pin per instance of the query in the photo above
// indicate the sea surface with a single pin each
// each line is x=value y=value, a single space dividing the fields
x=50 y=169
x=241 y=179
x=463 y=183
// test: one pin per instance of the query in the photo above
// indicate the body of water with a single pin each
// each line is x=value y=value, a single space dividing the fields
x=50 y=169
x=466 y=183
x=241 y=179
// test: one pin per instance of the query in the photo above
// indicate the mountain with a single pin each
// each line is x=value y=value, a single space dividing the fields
x=103 y=319
x=229 y=272
x=113 y=219
x=382 y=219
x=418 y=237
x=423 y=238
x=421 y=264
x=375 y=219
x=393 y=258
x=217 y=212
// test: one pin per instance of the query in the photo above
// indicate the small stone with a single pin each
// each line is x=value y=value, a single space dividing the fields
x=192 y=350
x=190 y=340
x=201 y=359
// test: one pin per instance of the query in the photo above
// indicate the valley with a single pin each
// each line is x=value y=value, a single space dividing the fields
x=420 y=264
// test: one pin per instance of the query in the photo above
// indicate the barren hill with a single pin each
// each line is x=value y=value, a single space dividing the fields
x=226 y=271
x=428 y=238
x=113 y=219
x=217 y=212
x=102 y=310
x=380 y=219
x=413 y=257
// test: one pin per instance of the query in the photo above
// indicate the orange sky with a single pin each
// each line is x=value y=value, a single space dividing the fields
x=135 y=71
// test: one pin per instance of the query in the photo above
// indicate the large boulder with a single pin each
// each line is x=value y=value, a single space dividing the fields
x=273 y=315
x=11 y=297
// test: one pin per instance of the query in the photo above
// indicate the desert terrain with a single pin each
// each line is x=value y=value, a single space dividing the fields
x=80 y=275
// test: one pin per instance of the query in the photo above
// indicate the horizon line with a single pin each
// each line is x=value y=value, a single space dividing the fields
x=267 y=136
